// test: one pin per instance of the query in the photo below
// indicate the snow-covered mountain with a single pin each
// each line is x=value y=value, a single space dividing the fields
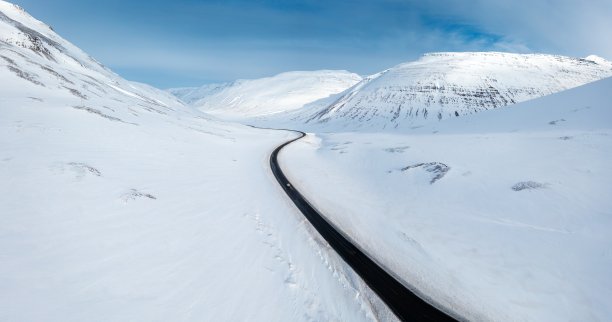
x=446 y=85
x=280 y=93
x=36 y=62
x=119 y=203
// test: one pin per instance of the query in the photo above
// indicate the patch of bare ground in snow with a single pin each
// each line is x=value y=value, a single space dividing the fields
x=528 y=185
x=438 y=169
x=78 y=169
x=85 y=168
x=99 y=113
x=399 y=149
x=56 y=74
x=8 y=60
x=25 y=75
x=135 y=194
x=76 y=93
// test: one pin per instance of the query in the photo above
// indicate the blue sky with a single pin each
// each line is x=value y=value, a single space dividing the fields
x=189 y=43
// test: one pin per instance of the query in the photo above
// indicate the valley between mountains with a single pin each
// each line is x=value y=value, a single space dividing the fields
x=479 y=180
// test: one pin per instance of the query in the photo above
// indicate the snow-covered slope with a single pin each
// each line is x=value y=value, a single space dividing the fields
x=503 y=216
x=37 y=62
x=118 y=203
x=280 y=93
x=447 y=85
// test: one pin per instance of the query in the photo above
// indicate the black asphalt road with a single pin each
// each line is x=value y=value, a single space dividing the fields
x=406 y=305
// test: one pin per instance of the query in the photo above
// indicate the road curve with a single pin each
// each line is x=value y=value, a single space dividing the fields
x=404 y=303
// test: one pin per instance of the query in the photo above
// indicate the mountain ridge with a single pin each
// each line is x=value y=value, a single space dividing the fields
x=269 y=95
x=445 y=85
x=37 y=62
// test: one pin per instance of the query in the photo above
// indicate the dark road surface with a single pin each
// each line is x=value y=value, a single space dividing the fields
x=406 y=305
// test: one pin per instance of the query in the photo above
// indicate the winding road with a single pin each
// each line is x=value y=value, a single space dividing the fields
x=404 y=303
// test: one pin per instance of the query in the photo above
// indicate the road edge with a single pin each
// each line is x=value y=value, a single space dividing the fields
x=407 y=305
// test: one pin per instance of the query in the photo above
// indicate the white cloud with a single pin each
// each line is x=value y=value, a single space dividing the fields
x=569 y=27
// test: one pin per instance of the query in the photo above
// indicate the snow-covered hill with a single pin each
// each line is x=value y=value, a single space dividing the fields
x=447 y=85
x=118 y=203
x=280 y=93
